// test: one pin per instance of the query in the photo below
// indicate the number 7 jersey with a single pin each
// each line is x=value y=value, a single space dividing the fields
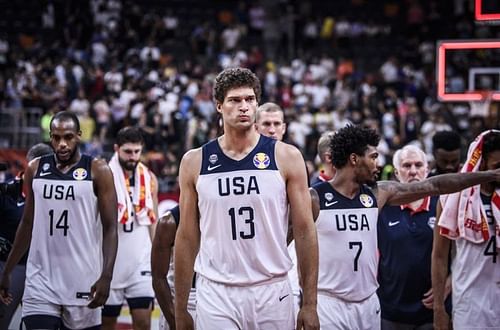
x=65 y=254
x=243 y=216
x=347 y=241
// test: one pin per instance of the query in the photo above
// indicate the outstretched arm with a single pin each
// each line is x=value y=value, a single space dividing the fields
x=23 y=234
x=104 y=188
x=304 y=231
x=188 y=237
x=439 y=274
x=395 y=193
x=160 y=263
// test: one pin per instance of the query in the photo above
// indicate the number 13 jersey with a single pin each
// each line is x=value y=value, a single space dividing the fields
x=347 y=241
x=65 y=254
x=243 y=216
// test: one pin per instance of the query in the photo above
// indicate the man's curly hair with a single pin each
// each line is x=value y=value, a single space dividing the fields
x=491 y=143
x=235 y=78
x=351 y=139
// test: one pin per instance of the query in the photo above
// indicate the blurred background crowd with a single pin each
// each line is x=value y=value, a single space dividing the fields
x=151 y=64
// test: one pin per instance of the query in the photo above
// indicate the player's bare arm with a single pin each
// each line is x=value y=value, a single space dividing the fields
x=188 y=236
x=395 y=193
x=104 y=189
x=291 y=164
x=160 y=263
x=314 y=203
x=439 y=274
x=23 y=233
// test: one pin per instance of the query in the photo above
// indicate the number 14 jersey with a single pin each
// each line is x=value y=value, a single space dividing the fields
x=65 y=254
x=347 y=241
x=243 y=216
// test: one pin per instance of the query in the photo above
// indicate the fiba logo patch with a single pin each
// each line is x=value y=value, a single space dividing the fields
x=366 y=200
x=261 y=160
x=213 y=159
x=45 y=167
x=79 y=174
x=329 y=196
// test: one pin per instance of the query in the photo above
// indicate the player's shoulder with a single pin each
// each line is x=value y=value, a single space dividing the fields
x=192 y=155
x=287 y=151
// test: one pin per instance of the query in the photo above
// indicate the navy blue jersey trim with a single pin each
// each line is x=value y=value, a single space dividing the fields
x=331 y=199
x=262 y=157
x=81 y=171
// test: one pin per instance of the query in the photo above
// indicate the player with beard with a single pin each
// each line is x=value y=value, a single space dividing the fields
x=69 y=216
x=137 y=194
x=346 y=211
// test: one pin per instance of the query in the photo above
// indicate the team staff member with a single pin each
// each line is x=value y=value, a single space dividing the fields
x=405 y=245
x=67 y=194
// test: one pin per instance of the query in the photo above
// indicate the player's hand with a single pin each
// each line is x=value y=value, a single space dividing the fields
x=99 y=292
x=428 y=300
x=308 y=318
x=184 y=321
x=441 y=320
x=5 y=296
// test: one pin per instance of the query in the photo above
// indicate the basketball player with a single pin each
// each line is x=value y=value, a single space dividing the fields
x=71 y=211
x=163 y=269
x=446 y=151
x=475 y=270
x=270 y=121
x=137 y=193
x=234 y=200
x=346 y=211
x=405 y=246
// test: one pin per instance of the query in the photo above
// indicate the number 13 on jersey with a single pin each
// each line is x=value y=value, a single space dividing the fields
x=242 y=218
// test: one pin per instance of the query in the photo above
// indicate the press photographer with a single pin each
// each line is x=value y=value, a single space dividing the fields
x=11 y=211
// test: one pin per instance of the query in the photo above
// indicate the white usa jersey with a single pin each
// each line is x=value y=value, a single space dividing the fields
x=347 y=240
x=476 y=280
x=243 y=216
x=65 y=257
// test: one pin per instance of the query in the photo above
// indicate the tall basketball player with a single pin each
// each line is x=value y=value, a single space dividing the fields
x=70 y=221
x=235 y=192
x=346 y=211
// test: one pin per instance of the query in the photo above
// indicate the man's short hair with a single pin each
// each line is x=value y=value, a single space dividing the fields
x=235 y=78
x=324 y=144
x=129 y=134
x=38 y=150
x=351 y=139
x=65 y=116
x=398 y=155
x=491 y=143
x=270 y=107
x=446 y=140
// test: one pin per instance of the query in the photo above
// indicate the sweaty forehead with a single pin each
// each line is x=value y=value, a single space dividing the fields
x=273 y=117
x=240 y=92
x=63 y=125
